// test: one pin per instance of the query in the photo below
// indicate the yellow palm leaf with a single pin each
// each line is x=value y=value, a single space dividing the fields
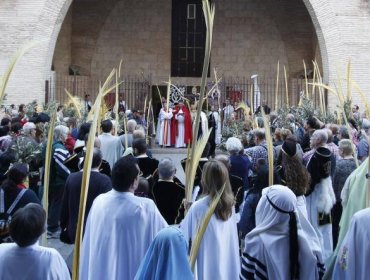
x=5 y=77
x=270 y=148
x=74 y=102
x=192 y=163
x=85 y=181
x=246 y=109
x=48 y=155
x=209 y=13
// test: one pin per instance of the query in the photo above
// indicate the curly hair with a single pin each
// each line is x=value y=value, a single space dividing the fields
x=296 y=175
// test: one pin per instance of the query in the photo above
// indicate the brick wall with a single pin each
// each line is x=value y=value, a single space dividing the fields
x=248 y=38
x=140 y=34
x=23 y=21
x=62 y=58
x=341 y=28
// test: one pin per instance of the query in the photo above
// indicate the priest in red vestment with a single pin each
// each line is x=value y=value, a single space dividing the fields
x=181 y=126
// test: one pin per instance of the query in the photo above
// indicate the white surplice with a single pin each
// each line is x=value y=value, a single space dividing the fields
x=119 y=230
x=217 y=118
x=111 y=148
x=180 y=137
x=218 y=256
x=320 y=201
x=165 y=121
x=204 y=123
x=228 y=110
x=354 y=254
x=31 y=262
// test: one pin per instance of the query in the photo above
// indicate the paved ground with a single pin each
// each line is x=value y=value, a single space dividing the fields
x=175 y=154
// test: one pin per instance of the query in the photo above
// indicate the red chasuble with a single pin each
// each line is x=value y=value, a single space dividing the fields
x=187 y=124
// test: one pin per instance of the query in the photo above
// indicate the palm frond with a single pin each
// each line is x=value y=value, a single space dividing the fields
x=125 y=130
x=322 y=97
x=168 y=93
x=363 y=98
x=13 y=61
x=119 y=68
x=209 y=13
x=340 y=88
x=116 y=105
x=159 y=94
x=87 y=170
x=270 y=148
x=286 y=88
x=84 y=188
x=246 y=109
x=349 y=85
x=277 y=86
x=305 y=78
x=329 y=89
x=192 y=163
x=48 y=156
x=74 y=102
x=148 y=120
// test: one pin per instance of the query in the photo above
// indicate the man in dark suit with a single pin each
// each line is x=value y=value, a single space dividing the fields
x=168 y=192
x=99 y=183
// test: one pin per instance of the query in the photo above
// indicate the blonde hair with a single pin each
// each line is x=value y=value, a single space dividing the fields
x=214 y=177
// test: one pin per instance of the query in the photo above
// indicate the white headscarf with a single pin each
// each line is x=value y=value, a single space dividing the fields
x=269 y=248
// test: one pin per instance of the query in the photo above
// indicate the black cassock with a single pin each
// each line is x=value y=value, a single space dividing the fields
x=74 y=165
x=237 y=188
x=198 y=174
x=168 y=197
x=212 y=137
x=149 y=167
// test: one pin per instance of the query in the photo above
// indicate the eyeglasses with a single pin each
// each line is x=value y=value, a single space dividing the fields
x=140 y=173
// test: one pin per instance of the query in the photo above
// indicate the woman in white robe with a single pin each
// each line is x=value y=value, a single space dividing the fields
x=218 y=256
x=277 y=248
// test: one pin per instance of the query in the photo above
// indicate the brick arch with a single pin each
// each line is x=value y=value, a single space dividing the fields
x=341 y=28
x=323 y=19
x=41 y=21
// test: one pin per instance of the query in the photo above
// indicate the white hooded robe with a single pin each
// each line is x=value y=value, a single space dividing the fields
x=119 y=230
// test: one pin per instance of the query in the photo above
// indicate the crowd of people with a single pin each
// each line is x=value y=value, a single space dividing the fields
x=138 y=224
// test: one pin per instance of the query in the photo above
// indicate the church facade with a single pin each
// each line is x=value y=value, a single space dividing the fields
x=85 y=39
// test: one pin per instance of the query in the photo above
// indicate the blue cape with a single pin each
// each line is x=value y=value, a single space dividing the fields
x=166 y=258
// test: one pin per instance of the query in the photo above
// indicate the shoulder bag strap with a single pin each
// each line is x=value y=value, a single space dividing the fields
x=19 y=196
